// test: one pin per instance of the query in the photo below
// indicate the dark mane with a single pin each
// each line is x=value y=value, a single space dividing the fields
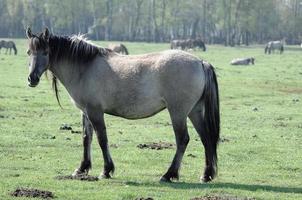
x=74 y=49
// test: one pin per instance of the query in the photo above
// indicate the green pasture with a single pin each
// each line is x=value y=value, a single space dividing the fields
x=260 y=154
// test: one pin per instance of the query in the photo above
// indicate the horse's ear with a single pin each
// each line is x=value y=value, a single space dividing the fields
x=29 y=33
x=46 y=34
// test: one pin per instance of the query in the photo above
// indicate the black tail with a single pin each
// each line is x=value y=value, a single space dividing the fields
x=211 y=115
x=15 y=49
x=126 y=50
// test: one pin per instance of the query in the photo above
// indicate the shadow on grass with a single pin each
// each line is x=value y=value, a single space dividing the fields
x=182 y=185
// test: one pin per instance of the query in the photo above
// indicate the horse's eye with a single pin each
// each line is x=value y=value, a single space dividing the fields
x=28 y=52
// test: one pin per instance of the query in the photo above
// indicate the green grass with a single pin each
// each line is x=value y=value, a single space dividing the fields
x=261 y=159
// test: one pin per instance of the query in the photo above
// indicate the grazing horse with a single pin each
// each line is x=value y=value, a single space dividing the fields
x=119 y=48
x=196 y=43
x=176 y=44
x=272 y=46
x=188 y=44
x=8 y=45
x=243 y=61
x=100 y=81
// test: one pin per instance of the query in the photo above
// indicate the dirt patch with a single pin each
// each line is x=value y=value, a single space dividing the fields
x=291 y=90
x=32 y=193
x=223 y=140
x=142 y=198
x=115 y=146
x=81 y=178
x=280 y=124
x=191 y=155
x=156 y=146
x=221 y=198
x=65 y=127
x=76 y=132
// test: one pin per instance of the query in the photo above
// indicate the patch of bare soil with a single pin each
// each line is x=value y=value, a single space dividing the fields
x=65 y=127
x=32 y=193
x=291 y=90
x=223 y=139
x=79 y=177
x=156 y=146
x=221 y=198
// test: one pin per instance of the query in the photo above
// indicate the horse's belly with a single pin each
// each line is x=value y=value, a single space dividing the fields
x=137 y=110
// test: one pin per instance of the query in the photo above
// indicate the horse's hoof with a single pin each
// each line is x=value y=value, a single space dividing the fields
x=105 y=176
x=78 y=172
x=206 y=179
x=165 y=180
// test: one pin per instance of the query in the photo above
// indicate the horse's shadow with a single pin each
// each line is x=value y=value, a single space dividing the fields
x=220 y=185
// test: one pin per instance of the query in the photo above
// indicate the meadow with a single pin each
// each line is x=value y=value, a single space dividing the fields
x=260 y=154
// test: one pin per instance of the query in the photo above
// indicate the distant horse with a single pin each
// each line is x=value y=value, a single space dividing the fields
x=133 y=87
x=196 y=43
x=188 y=44
x=243 y=61
x=8 y=45
x=272 y=46
x=119 y=48
x=176 y=44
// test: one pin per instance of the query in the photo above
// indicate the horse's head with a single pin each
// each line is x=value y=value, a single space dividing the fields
x=38 y=50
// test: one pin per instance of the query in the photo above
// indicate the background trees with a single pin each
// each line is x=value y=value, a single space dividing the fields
x=229 y=22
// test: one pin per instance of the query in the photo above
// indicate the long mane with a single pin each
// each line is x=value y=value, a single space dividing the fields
x=75 y=49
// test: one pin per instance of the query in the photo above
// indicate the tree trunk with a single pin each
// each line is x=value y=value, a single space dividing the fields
x=109 y=20
x=155 y=26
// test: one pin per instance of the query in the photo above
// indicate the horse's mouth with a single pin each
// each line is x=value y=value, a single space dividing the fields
x=32 y=84
x=33 y=81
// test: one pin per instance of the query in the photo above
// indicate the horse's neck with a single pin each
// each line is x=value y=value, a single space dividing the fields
x=65 y=72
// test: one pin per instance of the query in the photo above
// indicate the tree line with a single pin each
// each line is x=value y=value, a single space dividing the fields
x=228 y=22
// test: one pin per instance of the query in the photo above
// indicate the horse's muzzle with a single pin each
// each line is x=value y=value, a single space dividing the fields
x=33 y=80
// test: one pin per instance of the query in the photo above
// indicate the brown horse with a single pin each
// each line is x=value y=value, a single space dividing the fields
x=101 y=81
x=9 y=45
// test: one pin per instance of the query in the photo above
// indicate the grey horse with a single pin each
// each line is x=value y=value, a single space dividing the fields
x=272 y=46
x=100 y=81
x=9 y=45
x=243 y=61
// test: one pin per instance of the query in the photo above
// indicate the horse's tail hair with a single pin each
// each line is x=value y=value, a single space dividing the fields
x=15 y=48
x=210 y=98
x=126 y=50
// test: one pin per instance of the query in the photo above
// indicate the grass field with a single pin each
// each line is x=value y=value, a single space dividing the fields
x=260 y=155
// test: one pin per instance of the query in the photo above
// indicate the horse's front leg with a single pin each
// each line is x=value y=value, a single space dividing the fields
x=87 y=138
x=97 y=120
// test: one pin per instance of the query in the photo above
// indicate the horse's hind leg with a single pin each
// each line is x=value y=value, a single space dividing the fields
x=87 y=138
x=209 y=145
x=182 y=139
x=97 y=120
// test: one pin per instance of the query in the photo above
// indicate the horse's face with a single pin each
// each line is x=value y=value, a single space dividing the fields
x=38 y=51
